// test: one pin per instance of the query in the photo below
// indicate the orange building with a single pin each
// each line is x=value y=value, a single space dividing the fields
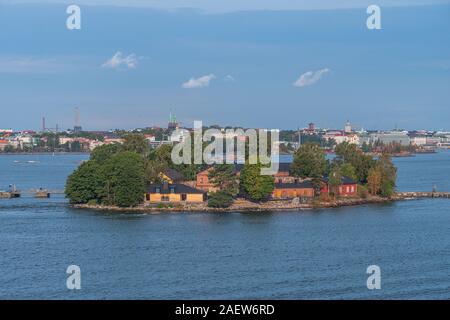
x=348 y=188
x=165 y=192
x=304 y=189
x=203 y=182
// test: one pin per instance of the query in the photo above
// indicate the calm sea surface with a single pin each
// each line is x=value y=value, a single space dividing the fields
x=316 y=254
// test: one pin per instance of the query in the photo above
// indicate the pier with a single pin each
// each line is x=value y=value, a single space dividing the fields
x=9 y=194
x=423 y=195
x=34 y=193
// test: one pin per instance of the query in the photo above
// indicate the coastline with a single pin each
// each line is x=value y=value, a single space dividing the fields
x=246 y=206
x=42 y=153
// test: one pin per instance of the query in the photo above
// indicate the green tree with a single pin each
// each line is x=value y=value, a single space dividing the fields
x=366 y=147
x=335 y=180
x=162 y=154
x=220 y=199
x=135 y=142
x=84 y=183
x=309 y=161
x=255 y=186
x=347 y=170
x=387 y=189
x=159 y=159
x=9 y=148
x=123 y=176
x=223 y=177
x=103 y=153
x=374 y=181
x=388 y=175
x=349 y=153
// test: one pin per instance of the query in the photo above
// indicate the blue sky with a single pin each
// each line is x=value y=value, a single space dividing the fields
x=130 y=66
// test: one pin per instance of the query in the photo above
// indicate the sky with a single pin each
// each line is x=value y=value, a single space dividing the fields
x=277 y=64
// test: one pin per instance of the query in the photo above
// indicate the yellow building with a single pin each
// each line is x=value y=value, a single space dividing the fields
x=166 y=192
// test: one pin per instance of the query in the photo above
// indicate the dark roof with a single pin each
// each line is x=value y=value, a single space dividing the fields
x=345 y=180
x=307 y=184
x=173 y=174
x=282 y=167
x=179 y=188
x=285 y=166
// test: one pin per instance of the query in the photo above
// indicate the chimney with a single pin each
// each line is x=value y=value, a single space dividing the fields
x=165 y=186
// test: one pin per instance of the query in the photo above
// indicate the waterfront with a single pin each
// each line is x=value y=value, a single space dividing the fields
x=308 y=255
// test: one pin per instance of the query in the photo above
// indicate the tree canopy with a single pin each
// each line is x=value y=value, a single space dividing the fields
x=255 y=186
x=309 y=161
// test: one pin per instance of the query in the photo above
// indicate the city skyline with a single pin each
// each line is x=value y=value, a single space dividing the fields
x=240 y=68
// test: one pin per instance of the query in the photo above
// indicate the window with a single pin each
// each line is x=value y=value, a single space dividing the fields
x=158 y=190
x=183 y=197
x=165 y=198
x=172 y=189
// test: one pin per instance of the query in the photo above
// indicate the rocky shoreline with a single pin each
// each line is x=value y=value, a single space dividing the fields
x=241 y=205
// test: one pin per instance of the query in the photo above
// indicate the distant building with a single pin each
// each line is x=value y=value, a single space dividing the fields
x=340 y=137
x=418 y=140
x=173 y=124
x=179 y=135
x=390 y=137
x=3 y=144
x=114 y=140
x=433 y=140
x=348 y=127
x=150 y=137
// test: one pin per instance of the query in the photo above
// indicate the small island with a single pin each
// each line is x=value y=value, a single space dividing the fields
x=133 y=177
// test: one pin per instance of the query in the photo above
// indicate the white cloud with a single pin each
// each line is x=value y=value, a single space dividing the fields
x=229 y=78
x=310 y=77
x=118 y=60
x=201 y=82
x=23 y=64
